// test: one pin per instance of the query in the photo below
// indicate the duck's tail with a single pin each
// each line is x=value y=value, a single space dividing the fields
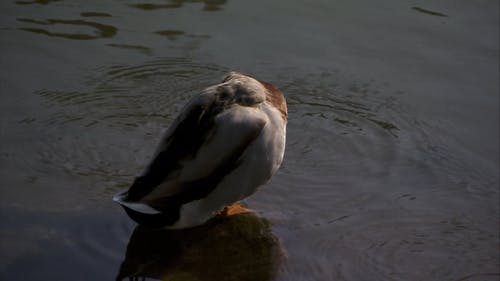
x=146 y=215
x=120 y=198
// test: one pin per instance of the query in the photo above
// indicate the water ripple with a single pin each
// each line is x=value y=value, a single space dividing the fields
x=352 y=145
x=131 y=95
x=102 y=30
x=106 y=132
x=210 y=5
x=383 y=245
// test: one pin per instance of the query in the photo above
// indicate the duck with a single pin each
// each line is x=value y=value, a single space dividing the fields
x=228 y=141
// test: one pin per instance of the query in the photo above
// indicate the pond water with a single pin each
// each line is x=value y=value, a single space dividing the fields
x=391 y=169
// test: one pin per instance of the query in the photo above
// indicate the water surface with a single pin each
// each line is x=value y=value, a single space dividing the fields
x=392 y=157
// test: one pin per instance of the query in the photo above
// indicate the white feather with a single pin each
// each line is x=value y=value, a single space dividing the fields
x=139 y=207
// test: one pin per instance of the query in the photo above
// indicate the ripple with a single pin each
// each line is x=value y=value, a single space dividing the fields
x=171 y=34
x=101 y=30
x=132 y=95
x=210 y=5
x=106 y=132
x=40 y=2
x=353 y=146
x=150 y=6
x=352 y=107
x=344 y=138
x=142 y=49
x=94 y=14
x=384 y=245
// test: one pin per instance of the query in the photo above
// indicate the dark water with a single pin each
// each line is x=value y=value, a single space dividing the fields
x=392 y=163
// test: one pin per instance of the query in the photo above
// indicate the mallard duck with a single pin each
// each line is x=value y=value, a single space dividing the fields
x=226 y=142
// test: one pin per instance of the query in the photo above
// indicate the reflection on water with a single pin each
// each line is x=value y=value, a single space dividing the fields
x=235 y=247
x=41 y=2
x=94 y=14
x=101 y=30
x=142 y=49
x=176 y=34
x=429 y=12
x=89 y=26
x=210 y=5
x=171 y=34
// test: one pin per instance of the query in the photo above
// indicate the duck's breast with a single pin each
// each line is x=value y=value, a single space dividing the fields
x=258 y=162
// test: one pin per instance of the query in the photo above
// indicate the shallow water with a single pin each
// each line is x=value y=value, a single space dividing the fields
x=392 y=160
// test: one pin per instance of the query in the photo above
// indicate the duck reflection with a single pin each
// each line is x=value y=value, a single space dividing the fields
x=237 y=245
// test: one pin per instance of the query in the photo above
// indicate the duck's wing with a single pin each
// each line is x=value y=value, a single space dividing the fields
x=203 y=145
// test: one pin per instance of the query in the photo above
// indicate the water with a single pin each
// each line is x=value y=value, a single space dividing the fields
x=392 y=160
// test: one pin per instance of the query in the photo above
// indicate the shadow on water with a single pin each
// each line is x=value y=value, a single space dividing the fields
x=210 y=5
x=239 y=247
